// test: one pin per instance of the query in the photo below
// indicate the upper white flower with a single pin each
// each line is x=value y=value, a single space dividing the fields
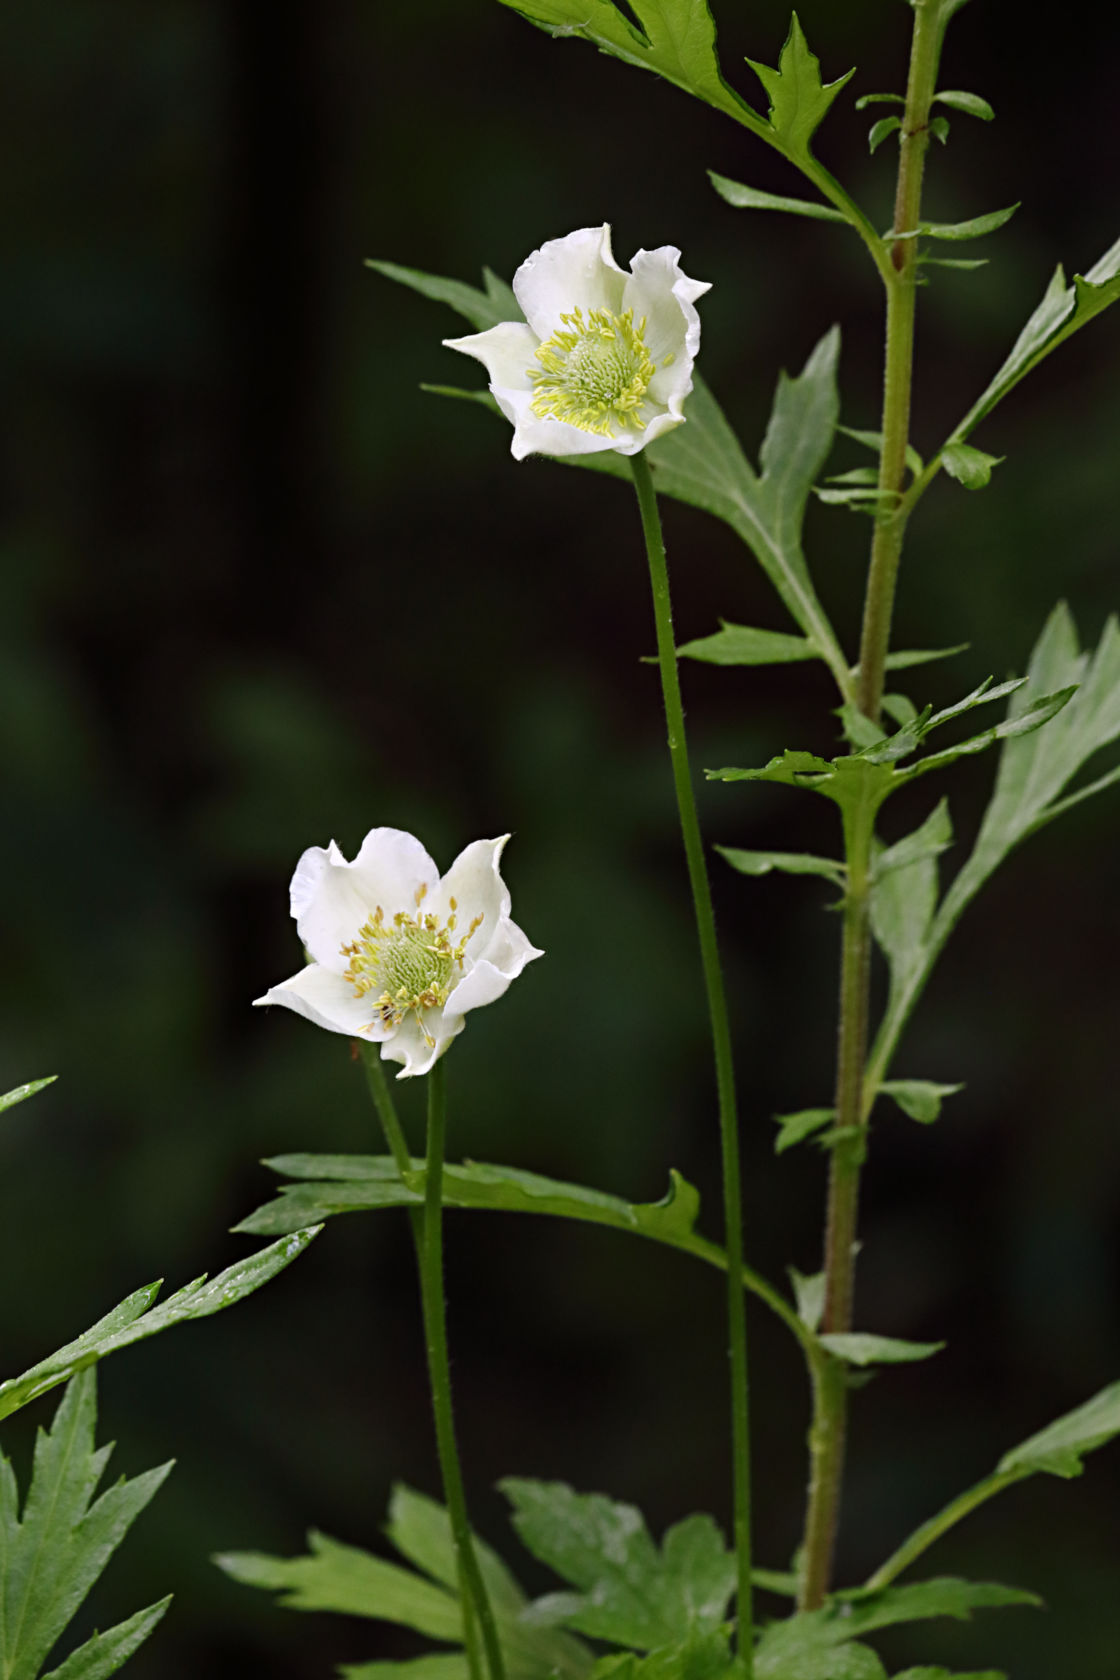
x=603 y=358
x=400 y=955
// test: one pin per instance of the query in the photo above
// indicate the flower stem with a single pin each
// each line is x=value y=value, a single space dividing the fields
x=439 y=1375
x=721 y=1040
x=829 y=1428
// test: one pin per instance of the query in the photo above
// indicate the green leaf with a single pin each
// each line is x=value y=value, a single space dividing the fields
x=799 y=100
x=867 y=99
x=953 y=262
x=137 y=1317
x=736 y=644
x=1033 y=717
x=974 y=228
x=751 y=198
x=919 y=1098
x=904 y=894
x=939 y=128
x=861 y=1349
x=22 y=1092
x=878 y=131
x=922 y=656
x=345 y=1579
x=969 y=466
x=899 y=708
x=676 y=39
x=482 y=309
x=51 y=1556
x=435 y=1666
x=795 y=1128
x=795 y=769
x=629 y=1592
x=874 y=441
x=922 y=1600
x=970 y=103
x=789 y=863
x=809 y=1294
x=945 y=1674
x=332 y=1576
x=813 y=1646
x=104 y=1653
x=1064 y=310
x=1059 y=1449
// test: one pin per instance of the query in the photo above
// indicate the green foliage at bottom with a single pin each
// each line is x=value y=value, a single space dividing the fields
x=51 y=1555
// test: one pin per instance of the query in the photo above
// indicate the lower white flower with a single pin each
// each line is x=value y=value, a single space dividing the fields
x=401 y=955
x=603 y=358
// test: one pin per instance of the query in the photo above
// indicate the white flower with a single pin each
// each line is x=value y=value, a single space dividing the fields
x=400 y=955
x=603 y=359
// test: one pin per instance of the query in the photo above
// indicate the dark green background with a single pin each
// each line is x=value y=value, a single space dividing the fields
x=258 y=590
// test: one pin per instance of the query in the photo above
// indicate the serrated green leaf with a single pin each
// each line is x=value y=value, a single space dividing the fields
x=752 y=198
x=22 y=1092
x=795 y=1128
x=333 y=1576
x=970 y=103
x=1064 y=310
x=104 y=1653
x=974 y=228
x=795 y=769
x=676 y=40
x=787 y=863
x=1059 y=1449
x=137 y=1318
x=969 y=466
x=51 y=1556
x=628 y=1591
x=922 y=1601
x=878 y=131
x=799 y=100
x=859 y=1348
x=737 y=644
x=809 y=1293
x=919 y=1098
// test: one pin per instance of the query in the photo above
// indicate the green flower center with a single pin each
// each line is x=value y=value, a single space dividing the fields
x=406 y=965
x=594 y=372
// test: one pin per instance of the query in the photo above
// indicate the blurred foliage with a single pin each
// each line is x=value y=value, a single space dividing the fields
x=258 y=590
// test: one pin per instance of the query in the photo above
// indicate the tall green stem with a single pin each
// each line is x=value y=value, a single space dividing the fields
x=900 y=278
x=721 y=1041
x=439 y=1374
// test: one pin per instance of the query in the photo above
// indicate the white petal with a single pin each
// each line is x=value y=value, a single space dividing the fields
x=408 y=1044
x=577 y=271
x=327 y=1000
x=505 y=351
x=332 y=897
x=474 y=881
x=533 y=436
x=664 y=295
x=488 y=980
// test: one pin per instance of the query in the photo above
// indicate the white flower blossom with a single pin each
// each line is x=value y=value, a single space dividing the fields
x=399 y=954
x=603 y=358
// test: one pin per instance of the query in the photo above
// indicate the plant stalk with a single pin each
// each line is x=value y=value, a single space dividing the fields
x=721 y=1042
x=439 y=1376
x=827 y=1436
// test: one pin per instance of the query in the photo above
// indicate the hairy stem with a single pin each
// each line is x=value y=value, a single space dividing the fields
x=829 y=1429
x=721 y=1041
x=439 y=1376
